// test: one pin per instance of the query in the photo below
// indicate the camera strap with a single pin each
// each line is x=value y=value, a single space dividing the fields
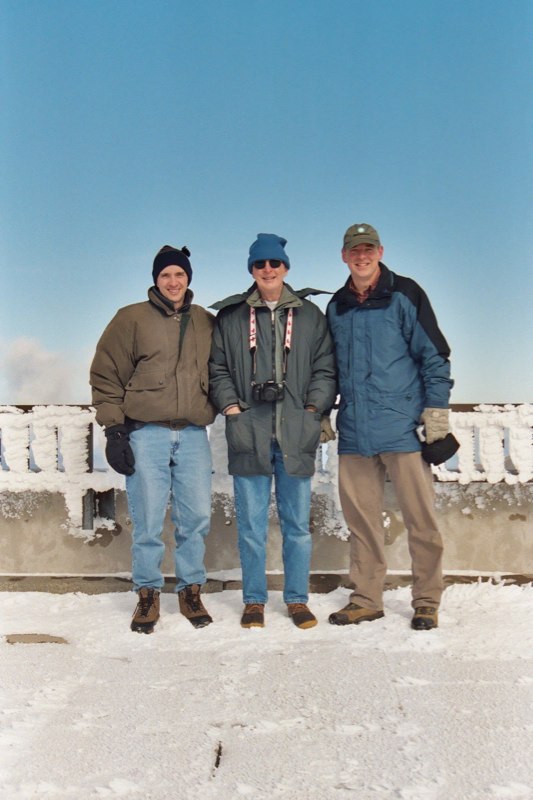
x=252 y=339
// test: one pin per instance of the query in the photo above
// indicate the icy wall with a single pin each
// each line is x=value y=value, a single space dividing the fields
x=53 y=448
x=47 y=450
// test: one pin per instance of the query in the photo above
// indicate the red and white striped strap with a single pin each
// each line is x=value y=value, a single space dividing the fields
x=252 y=339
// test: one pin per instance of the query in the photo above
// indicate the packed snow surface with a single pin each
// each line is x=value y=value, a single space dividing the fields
x=375 y=711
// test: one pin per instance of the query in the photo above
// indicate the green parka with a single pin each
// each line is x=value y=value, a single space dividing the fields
x=309 y=380
x=151 y=364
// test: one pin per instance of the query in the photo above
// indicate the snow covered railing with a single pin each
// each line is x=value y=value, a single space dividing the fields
x=51 y=449
x=496 y=445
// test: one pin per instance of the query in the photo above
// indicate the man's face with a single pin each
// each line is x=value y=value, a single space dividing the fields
x=172 y=282
x=363 y=262
x=270 y=280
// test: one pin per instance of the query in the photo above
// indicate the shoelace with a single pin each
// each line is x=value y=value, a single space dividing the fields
x=298 y=607
x=146 y=603
x=252 y=607
x=193 y=600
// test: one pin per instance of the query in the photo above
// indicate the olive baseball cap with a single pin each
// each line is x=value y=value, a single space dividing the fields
x=361 y=233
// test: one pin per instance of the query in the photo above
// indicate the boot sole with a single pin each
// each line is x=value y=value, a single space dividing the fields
x=200 y=622
x=305 y=625
x=143 y=627
x=424 y=626
x=369 y=618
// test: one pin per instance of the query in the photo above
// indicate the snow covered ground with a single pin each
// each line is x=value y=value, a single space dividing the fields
x=364 y=712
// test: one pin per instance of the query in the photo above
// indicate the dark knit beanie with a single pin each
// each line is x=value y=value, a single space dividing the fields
x=171 y=256
x=267 y=246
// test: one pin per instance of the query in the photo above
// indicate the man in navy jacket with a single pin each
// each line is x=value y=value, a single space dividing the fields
x=394 y=374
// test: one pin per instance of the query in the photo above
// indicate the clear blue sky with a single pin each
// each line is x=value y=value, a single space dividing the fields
x=127 y=125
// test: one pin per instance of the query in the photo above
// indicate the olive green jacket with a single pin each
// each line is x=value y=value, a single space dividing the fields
x=151 y=364
x=309 y=380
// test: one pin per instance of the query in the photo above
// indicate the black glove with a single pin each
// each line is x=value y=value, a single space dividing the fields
x=118 y=450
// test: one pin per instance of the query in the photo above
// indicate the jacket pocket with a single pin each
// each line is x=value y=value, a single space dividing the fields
x=239 y=432
x=204 y=381
x=309 y=431
x=406 y=405
x=145 y=381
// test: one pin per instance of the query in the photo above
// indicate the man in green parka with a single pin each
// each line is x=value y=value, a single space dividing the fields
x=272 y=374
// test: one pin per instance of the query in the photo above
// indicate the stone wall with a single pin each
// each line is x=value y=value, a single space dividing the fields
x=64 y=512
x=486 y=528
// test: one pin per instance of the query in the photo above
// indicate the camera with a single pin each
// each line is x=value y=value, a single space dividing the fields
x=267 y=392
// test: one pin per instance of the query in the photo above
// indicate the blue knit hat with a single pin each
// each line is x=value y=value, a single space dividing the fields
x=267 y=246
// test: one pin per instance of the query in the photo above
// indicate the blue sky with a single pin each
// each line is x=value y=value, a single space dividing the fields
x=129 y=125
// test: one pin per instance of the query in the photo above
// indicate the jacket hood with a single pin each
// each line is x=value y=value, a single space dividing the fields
x=236 y=299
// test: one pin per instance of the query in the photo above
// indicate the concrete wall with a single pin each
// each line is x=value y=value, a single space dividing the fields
x=47 y=454
x=485 y=528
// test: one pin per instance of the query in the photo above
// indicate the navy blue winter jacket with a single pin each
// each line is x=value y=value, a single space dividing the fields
x=392 y=363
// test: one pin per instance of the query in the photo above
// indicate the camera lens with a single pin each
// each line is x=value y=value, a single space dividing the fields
x=270 y=393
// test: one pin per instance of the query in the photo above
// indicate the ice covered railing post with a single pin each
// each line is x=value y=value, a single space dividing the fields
x=496 y=445
x=15 y=440
x=50 y=449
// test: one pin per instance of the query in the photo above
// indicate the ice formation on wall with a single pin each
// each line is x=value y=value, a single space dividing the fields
x=496 y=445
x=47 y=449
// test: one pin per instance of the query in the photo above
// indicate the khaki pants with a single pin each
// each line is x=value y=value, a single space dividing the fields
x=361 y=489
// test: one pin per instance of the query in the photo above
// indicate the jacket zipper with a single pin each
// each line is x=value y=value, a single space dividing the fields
x=274 y=376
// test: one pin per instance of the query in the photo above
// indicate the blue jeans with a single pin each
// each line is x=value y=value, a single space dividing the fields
x=176 y=464
x=293 y=499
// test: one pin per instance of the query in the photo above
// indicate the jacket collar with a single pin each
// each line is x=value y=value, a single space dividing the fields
x=290 y=297
x=378 y=298
x=166 y=306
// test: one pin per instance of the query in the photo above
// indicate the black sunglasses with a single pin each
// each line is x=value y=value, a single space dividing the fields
x=274 y=263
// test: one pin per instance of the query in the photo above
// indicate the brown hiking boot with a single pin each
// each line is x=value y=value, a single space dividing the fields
x=301 y=615
x=146 y=613
x=253 y=616
x=425 y=618
x=352 y=614
x=191 y=606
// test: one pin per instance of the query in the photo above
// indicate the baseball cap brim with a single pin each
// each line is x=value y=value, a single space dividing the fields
x=362 y=239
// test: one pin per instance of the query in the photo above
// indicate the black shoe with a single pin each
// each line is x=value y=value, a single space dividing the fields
x=425 y=618
x=146 y=613
x=191 y=606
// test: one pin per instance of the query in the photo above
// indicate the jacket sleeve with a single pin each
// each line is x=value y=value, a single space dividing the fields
x=431 y=351
x=222 y=390
x=112 y=367
x=323 y=384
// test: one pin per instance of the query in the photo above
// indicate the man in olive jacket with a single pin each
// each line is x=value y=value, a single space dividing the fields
x=272 y=374
x=149 y=381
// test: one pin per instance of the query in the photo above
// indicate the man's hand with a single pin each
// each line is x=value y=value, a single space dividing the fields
x=118 y=450
x=231 y=410
x=327 y=434
x=436 y=423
